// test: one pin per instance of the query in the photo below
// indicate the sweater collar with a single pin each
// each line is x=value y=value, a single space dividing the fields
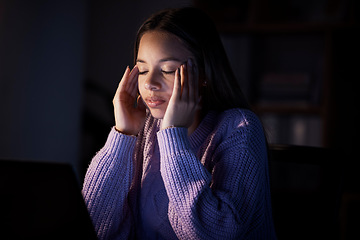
x=203 y=130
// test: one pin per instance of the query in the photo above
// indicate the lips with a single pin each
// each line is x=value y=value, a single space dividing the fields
x=154 y=101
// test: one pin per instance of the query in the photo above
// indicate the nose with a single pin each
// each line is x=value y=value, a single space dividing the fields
x=152 y=83
x=149 y=87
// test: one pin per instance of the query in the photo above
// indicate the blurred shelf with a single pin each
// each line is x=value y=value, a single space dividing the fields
x=279 y=108
x=291 y=38
x=237 y=28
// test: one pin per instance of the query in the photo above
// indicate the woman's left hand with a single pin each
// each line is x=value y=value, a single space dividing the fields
x=185 y=100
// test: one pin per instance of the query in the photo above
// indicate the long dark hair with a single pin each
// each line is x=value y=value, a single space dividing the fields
x=199 y=34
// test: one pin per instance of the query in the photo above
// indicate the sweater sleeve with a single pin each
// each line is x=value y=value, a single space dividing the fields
x=106 y=186
x=220 y=205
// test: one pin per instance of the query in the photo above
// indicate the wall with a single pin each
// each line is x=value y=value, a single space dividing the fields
x=57 y=58
x=41 y=73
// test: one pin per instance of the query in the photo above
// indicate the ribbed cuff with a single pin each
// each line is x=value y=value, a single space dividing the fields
x=173 y=140
x=117 y=141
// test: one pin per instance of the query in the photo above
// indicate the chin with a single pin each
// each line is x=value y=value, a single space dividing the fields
x=157 y=114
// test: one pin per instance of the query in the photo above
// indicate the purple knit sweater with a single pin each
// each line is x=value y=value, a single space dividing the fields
x=213 y=184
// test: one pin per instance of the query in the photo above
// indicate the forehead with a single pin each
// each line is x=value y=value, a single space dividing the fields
x=157 y=45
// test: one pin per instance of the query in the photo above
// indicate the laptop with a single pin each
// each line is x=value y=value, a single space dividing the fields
x=41 y=201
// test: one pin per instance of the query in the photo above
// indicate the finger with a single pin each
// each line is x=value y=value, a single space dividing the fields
x=134 y=72
x=132 y=85
x=192 y=81
x=124 y=77
x=184 y=82
x=176 y=94
x=123 y=82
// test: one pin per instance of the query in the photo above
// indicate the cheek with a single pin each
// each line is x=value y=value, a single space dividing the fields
x=141 y=86
x=169 y=82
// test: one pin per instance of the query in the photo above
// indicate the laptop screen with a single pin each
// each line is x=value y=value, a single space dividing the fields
x=41 y=201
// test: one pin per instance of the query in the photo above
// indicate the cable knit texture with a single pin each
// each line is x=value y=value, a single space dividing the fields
x=213 y=184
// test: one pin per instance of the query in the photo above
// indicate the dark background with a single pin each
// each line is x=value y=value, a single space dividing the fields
x=61 y=61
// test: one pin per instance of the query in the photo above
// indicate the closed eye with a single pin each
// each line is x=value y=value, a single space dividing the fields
x=165 y=72
x=168 y=72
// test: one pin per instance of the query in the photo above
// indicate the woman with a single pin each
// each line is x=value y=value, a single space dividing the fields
x=187 y=158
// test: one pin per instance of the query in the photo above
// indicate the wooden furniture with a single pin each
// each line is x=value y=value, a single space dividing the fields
x=285 y=55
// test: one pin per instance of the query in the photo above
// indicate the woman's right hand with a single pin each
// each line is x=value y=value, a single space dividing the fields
x=129 y=117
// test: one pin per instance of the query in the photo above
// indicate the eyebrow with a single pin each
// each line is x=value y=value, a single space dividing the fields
x=169 y=59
